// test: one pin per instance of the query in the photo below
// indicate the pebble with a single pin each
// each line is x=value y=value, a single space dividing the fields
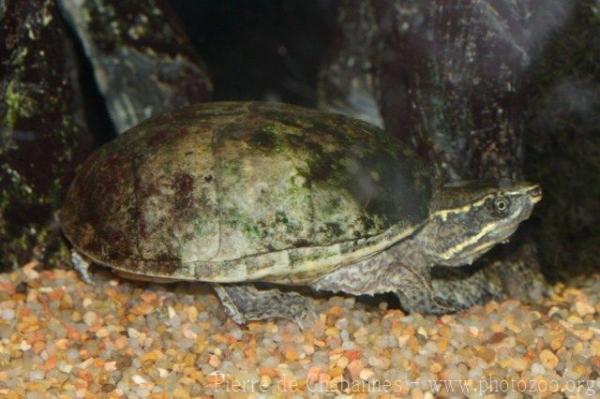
x=214 y=361
x=596 y=347
x=90 y=318
x=583 y=308
x=486 y=354
x=65 y=368
x=537 y=368
x=343 y=362
x=366 y=374
x=291 y=354
x=7 y=314
x=265 y=381
x=163 y=373
x=102 y=332
x=517 y=363
x=355 y=367
x=378 y=362
x=119 y=339
x=110 y=366
x=138 y=379
x=548 y=359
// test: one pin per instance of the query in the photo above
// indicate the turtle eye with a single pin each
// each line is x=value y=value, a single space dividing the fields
x=501 y=206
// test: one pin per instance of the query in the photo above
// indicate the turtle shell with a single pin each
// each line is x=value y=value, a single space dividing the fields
x=244 y=191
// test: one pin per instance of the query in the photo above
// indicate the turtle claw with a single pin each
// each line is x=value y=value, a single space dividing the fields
x=424 y=302
x=305 y=318
x=82 y=266
x=440 y=307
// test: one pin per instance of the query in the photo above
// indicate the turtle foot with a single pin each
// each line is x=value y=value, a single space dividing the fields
x=82 y=266
x=425 y=303
x=244 y=302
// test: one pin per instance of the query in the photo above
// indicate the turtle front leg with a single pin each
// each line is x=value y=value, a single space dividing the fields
x=461 y=290
x=244 y=302
x=416 y=293
x=82 y=266
x=465 y=288
x=384 y=273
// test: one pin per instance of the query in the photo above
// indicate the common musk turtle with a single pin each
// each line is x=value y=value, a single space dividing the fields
x=233 y=193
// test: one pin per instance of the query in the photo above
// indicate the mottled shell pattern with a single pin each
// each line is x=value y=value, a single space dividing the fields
x=244 y=191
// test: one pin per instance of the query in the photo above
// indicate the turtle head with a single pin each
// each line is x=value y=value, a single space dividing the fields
x=467 y=219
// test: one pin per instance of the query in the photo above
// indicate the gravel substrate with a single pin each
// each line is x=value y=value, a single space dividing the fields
x=63 y=338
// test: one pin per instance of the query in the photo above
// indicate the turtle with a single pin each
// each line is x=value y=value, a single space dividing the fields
x=246 y=194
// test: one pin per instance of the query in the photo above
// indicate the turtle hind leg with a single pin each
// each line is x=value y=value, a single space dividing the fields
x=82 y=266
x=244 y=302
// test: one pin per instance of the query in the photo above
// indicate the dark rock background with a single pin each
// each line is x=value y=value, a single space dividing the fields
x=112 y=65
x=42 y=132
x=562 y=143
x=263 y=49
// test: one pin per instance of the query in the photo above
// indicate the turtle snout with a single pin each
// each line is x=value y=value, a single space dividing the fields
x=535 y=193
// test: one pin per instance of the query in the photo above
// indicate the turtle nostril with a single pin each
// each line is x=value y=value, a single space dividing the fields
x=536 y=193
